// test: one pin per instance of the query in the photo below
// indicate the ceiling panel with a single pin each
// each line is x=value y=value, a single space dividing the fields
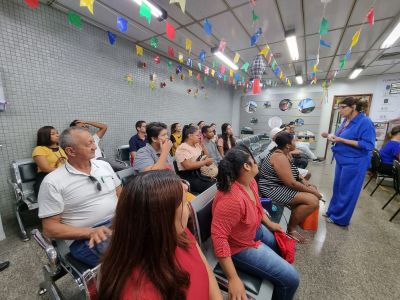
x=197 y=44
x=300 y=67
x=374 y=70
x=320 y=75
x=282 y=51
x=344 y=73
x=394 y=69
x=385 y=9
x=198 y=30
x=236 y=2
x=174 y=11
x=350 y=63
x=370 y=57
x=322 y=66
x=204 y=8
x=291 y=15
x=312 y=43
x=367 y=37
x=269 y=21
x=248 y=55
x=336 y=12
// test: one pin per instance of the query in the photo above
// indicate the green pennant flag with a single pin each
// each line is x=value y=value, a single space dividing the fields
x=245 y=67
x=205 y=78
x=323 y=27
x=254 y=16
x=169 y=64
x=273 y=65
x=342 y=63
x=224 y=77
x=145 y=11
x=199 y=66
x=74 y=19
x=154 y=42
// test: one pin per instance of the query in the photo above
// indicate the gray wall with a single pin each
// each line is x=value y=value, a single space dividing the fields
x=54 y=73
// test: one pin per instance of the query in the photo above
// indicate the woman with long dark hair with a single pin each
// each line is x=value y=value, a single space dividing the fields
x=227 y=140
x=391 y=150
x=176 y=137
x=354 y=142
x=241 y=231
x=152 y=254
x=47 y=154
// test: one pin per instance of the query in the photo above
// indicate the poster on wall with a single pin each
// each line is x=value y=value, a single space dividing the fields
x=385 y=106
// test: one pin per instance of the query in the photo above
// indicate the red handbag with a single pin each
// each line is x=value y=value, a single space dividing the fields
x=286 y=245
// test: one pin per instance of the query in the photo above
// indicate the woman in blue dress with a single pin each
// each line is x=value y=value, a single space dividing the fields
x=354 y=142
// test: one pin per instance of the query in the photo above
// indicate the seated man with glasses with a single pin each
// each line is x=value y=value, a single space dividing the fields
x=78 y=200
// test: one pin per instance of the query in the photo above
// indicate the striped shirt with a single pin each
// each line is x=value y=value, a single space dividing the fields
x=236 y=219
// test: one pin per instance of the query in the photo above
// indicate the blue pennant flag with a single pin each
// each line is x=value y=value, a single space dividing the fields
x=202 y=56
x=324 y=43
x=207 y=27
x=277 y=71
x=179 y=69
x=219 y=74
x=237 y=76
x=255 y=37
x=112 y=37
x=348 y=53
x=189 y=62
x=122 y=24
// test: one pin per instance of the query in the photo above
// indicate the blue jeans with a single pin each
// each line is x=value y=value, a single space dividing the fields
x=265 y=262
x=91 y=256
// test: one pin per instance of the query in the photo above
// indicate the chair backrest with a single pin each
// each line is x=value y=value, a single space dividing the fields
x=126 y=174
x=254 y=139
x=246 y=142
x=375 y=161
x=396 y=175
x=123 y=153
x=23 y=171
x=202 y=213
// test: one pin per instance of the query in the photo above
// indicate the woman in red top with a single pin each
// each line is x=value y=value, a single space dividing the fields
x=152 y=255
x=241 y=231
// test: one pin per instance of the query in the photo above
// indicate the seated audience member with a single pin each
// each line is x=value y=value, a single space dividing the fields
x=241 y=232
x=390 y=151
x=152 y=254
x=138 y=140
x=214 y=129
x=78 y=200
x=47 y=154
x=227 y=140
x=201 y=124
x=210 y=144
x=188 y=157
x=176 y=137
x=102 y=128
x=280 y=181
x=272 y=145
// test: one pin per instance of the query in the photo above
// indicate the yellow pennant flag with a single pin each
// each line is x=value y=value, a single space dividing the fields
x=315 y=68
x=289 y=83
x=354 y=40
x=280 y=75
x=212 y=72
x=88 y=4
x=264 y=51
x=139 y=50
x=188 y=45
x=180 y=57
x=190 y=73
x=236 y=58
x=230 y=73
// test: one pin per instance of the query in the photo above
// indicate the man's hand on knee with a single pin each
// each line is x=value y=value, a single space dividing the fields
x=98 y=235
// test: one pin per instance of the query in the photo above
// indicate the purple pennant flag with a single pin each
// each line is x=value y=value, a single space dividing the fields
x=324 y=43
x=122 y=24
x=112 y=37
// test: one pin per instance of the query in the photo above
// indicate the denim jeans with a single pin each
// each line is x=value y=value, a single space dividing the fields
x=265 y=262
x=91 y=256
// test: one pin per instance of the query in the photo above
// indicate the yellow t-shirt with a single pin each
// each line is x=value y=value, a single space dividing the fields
x=51 y=156
x=175 y=138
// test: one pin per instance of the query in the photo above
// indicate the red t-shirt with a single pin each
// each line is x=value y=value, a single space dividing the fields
x=235 y=220
x=190 y=261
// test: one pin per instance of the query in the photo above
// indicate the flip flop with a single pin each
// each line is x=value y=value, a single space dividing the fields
x=297 y=237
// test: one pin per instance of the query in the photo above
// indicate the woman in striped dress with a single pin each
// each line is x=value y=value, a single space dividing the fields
x=280 y=181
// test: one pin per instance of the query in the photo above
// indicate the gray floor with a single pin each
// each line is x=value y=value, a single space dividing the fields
x=361 y=262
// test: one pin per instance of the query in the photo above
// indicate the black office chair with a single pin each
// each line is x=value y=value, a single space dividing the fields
x=376 y=171
x=396 y=186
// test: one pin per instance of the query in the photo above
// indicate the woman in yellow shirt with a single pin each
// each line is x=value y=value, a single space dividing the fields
x=176 y=137
x=47 y=154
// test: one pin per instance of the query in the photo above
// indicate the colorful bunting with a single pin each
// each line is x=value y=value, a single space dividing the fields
x=198 y=76
x=154 y=42
x=230 y=73
x=324 y=43
x=139 y=50
x=323 y=27
x=182 y=4
x=189 y=62
x=354 y=40
x=348 y=53
x=224 y=77
x=88 y=4
x=157 y=59
x=206 y=70
x=129 y=79
x=111 y=37
x=222 y=45
x=254 y=16
x=237 y=76
x=170 y=31
x=199 y=66
x=180 y=57
x=222 y=69
x=277 y=71
x=188 y=45
x=245 y=67
x=371 y=16
x=74 y=19
x=169 y=64
x=122 y=24
x=207 y=26
x=342 y=63
x=32 y=3
x=202 y=56
x=190 y=73
x=236 y=58
x=255 y=37
x=273 y=65
x=212 y=72
x=145 y=12
x=264 y=51
x=315 y=68
x=171 y=51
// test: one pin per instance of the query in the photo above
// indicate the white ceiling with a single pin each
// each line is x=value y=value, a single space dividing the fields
x=232 y=20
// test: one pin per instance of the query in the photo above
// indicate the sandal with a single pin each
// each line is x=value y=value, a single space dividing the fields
x=297 y=237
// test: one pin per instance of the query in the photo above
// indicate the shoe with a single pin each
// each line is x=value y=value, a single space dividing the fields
x=4 y=265
x=318 y=160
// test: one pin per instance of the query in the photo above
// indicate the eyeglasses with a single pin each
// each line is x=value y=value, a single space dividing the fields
x=92 y=178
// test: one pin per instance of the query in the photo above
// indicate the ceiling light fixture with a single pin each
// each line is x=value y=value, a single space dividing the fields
x=392 y=37
x=292 y=44
x=158 y=12
x=356 y=72
x=299 y=79
x=224 y=58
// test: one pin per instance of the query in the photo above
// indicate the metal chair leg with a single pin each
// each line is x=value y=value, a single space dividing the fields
x=391 y=198
x=25 y=237
x=380 y=182
x=394 y=215
x=370 y=178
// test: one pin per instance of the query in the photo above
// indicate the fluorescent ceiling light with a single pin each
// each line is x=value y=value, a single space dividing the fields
x=224 y=59
x=299 y=79
x=392 y=38
x=292 y=45
x=156 y=11
x=355 y=73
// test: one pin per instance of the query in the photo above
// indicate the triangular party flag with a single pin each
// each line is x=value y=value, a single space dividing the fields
x=170 y=31
x=212 y=72
x=190 y=73
x=171 y=51
x=213 y=63
x=222 y=69
x=354 y=40
x=180 y=57
x=222 y=45
x=264 y=51
x=245 y=67
x=32 y=3
x=371 y=16
x=169 y=64
x=237 y=76
x=254 y=16
x=206 y=70
x=122 y=24
x=270 y=58
x=277 y=71
x=324 y=43
x=74 y=19
x=280 y=75
x=198 y=76
x=255 y=37
x=202 y=56
x=205 y=78
x=348 y=53
x=145 y=12
x=289 y=83
x=157 y=59
x=323 y=27
x=273 y=65
x=139 y=50
x=154 y=42
x=230 y=73
x=224 y=77
x=207 y=26
x=236 y=58
x=111 y=37
x=315 y=68
x=342 y=63
x=188 y=45
x=182 y=4
x=199 y=66
x=88 y=4
x=189 y=62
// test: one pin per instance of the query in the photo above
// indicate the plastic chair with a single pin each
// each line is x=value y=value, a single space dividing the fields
x=123 y=154
x=396 y=186
x=126 y=175
x=376 y=163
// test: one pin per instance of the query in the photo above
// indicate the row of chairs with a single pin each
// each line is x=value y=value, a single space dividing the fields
x=377 y=172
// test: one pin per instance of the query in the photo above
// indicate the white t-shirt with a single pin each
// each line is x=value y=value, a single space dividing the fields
x=97 y=153
x=73 y=195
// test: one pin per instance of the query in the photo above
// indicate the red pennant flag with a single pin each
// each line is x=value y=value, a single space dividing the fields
x=371 y=16
x=157 y=59
x=198 y=76
x=32 y=3
x=170 y=31
x=170 y=51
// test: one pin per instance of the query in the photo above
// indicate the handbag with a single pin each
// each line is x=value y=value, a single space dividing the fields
x=287 y=246
x=208 y=171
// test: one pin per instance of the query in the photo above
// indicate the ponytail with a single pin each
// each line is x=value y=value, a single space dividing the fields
x=188 y=129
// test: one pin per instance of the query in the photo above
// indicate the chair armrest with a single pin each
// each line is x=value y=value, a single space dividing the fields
x=16 y=188
x=122 y=162
x=187 y=183
x=51 y=252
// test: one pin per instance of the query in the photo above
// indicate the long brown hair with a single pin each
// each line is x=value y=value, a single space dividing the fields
x=225 y=137
x=145 y=238
x=44 y=136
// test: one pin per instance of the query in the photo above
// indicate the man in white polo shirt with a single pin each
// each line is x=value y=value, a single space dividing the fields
x=78 y=200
